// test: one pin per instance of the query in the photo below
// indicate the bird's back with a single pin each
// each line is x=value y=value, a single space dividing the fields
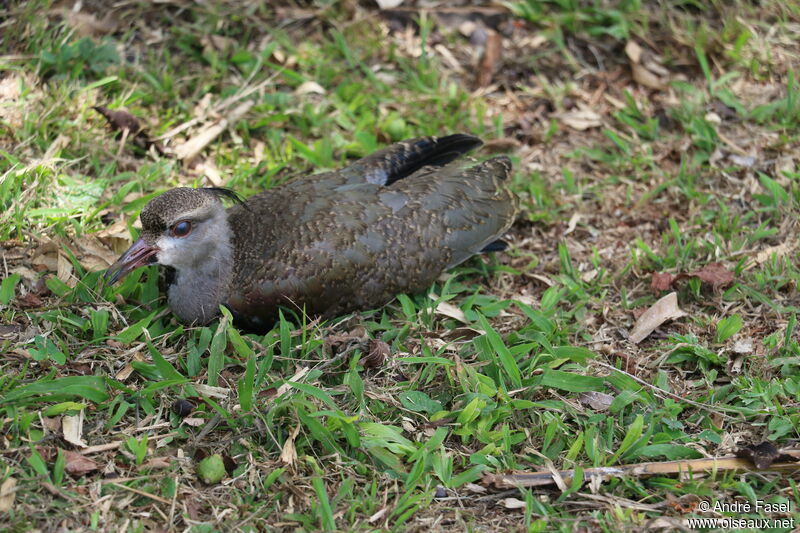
x=334 y=242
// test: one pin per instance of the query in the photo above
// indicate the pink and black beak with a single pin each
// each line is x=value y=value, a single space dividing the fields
x=139 y=254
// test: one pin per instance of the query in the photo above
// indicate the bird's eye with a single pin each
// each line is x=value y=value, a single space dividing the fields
x=182 y=228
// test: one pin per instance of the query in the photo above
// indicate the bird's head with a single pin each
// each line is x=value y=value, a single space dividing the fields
x=180 y=228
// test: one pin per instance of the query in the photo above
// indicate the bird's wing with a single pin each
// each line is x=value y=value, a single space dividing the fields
x=400 y=160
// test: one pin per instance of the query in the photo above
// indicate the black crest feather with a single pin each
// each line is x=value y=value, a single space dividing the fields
x=222 y=192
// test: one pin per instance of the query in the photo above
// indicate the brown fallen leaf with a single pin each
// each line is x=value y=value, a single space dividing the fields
x=119 y=120
x=378 y=352
x=715 y=274
x=661 y=281
x=77 y=464
x=664 y=309
x=490 y=61
x=128 y=126
x=29 y=301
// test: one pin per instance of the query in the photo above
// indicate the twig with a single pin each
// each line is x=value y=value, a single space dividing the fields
x=672 y=395
x=714 y=464
x=142 y=493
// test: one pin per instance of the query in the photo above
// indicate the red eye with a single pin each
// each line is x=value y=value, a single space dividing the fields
x=182 y=228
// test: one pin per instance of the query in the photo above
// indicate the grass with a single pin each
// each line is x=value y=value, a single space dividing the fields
x=389 y=419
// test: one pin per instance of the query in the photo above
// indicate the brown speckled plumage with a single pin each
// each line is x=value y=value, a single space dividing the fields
x=352 y=239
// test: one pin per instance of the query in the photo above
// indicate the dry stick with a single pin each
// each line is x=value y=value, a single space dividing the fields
x=116 y=444
x=542 y=478
x=703 y=406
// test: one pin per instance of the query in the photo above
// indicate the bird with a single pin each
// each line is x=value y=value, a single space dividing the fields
x=330 y=243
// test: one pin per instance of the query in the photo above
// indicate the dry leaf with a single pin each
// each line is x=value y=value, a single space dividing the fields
x=581 y=119
x=715 y=274
x=378 y=352
x=77 y=464
x=88 y=25
x=288 y=452
x=662 y=281
x=599 y=401
x=120 y=120
x=643 y=76
x=450 y=310
x=573 y=223
x=29 y=300
x=72 y=427
x=490 y=61
x=309 y=87
x=664 y=309
x=116 y=236
x=512 y=503
x=128 y=126
x=743 y=346
x=157 y=462
x=475 y=489
x=377 y=516
x=213 y=392
x=93 y=254
x=191 y=148
x=8 y=491
x=633 y=51
x=64 y=271
x=779 y=251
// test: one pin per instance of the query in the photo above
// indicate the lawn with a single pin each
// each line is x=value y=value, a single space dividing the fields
x=642 y=321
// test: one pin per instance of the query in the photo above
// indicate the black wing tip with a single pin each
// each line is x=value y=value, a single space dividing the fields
x=495 y=246
x=464 y=141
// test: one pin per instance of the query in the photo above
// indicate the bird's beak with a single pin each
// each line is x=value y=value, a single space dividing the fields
x=139 y=254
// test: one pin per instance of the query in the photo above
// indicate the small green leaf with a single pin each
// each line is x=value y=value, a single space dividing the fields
x=63 y=407
x=419 y=402
x=728 y=327
x=568 y=381
x=670 y=451
x=8 y=288
x=633 y=434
